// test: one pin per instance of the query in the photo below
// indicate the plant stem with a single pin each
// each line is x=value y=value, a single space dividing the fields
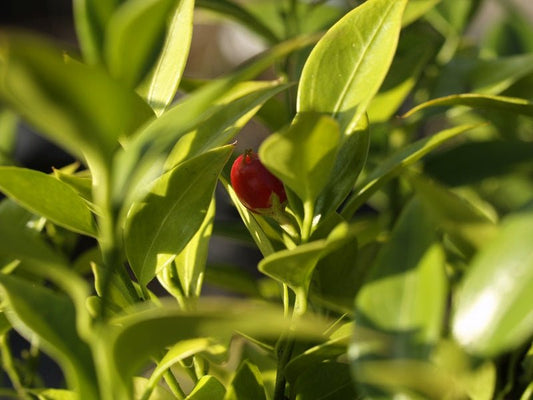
x=285 y=348
x=9 y=368
x=173 y=385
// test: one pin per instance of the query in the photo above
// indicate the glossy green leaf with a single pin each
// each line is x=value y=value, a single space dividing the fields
x=78 y=107
x=159 y=227
x=134 y=36
x=230 y=114
x=162 y=83
x=343 y=262
x=294 y=267
x=350 y=161
x=52 y=317
x=478 y=101
x=465 y=164
x=117 y=293
x=347 y=66
x=91 y=18
x=454 y=214
x=241 y=15
x=393 y=165
x=144 y=155
x=416 y=9
x=45 y=195
x=190 y=262
x=246 y=384
x=329 y=380
x=491 y=310
x=406 y=288
x=80 y=182
x=302 y=157
x=207 y=388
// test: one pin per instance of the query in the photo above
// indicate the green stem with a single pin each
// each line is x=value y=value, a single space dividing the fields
x=9 y=368
x=285 y=348
x=307 y=225
x=173 y=385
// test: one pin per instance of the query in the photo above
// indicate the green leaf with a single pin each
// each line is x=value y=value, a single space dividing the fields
x=159 y=227
x=491 y=310
x=18 y=240
x=190 y=262
x=5 y=325
x=465 y=164
x=158 y=392
x=91 y=18
x=45 y=195
x=406 y=288
x=207 y=388
x=134 y=37
x=161 y=84
x=143 y=156
x=229 y=115
x=241 y=15
x=455 y=215
x=246 y=384
x=350 y=161
x=329 y=380
x=55 y=394
x=149 y=331
x=303 y=156
x=416 y=9
x=478 y=101
x=316 y=355
x=347 y=66
x=415 y=49
x=52 y=317
x=394 y=164
x=80 y=108
x=81 y=182
x=494 y=76
x=294 y=267
x=178 y=352
x=8 y=132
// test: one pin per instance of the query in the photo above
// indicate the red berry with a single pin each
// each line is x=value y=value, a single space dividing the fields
x=254 y=185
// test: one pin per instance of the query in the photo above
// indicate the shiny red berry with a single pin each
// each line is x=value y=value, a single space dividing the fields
x=255 y=186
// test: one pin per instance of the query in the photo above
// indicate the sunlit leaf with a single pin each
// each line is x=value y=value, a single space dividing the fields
x=347 y=66
x=162 y=82
x=478 y=101
x=49 y=197
x=207 y=388
x=246 y=384
x=160 y=226
x=491 y=311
